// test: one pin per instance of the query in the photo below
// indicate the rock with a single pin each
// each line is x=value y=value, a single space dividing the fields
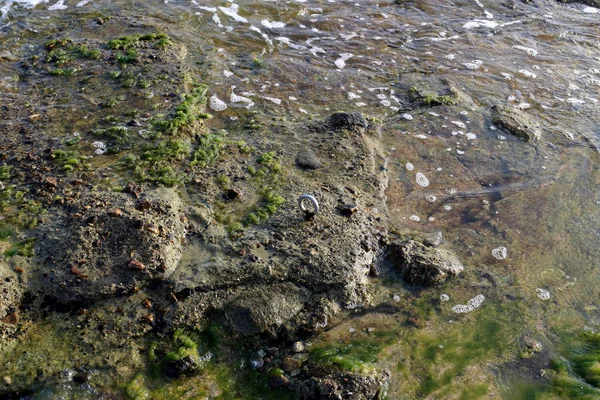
x=307 y=159
x=188 y=365
x=344 y=385
x=233 y=194
x=374 y=271
x=289 y=364
x=11 y=290
x=279 y=380
x=298 y=347
x=7 y=380
x=347 y=210
x=434 y=239
x=516 y=122
x=255 y=310
x=96 y=252
x=51 y=182
x=422 y=265
x=350 y=121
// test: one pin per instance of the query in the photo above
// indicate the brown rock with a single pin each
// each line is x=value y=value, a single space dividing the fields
x=289 y=364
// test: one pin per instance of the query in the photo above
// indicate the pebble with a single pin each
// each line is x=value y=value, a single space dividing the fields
x=298 y=347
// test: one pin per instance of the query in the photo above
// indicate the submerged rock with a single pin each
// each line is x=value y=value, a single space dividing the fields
x=516 y=122
x=422 y=265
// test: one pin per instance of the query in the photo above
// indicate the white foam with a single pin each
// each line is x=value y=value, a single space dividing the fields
x=471 y=136
x=82 y=3
x=217 y=104
x=528 y=50
x=459 y=124
x=430 y=198
x=471 y=305
x=590 y=10
x=407 y=116
x=500 y=253
x=273 y=99
x=235 y=98
x=341 y=62
x=480 y=23
x=272 y=25
x=526 y=73
x=543 y=294
x=506 y=76
x=409 y=166
x=444 y=297
x=415 y=218
x=59 y=5
x=232 y=12
x=421 y=179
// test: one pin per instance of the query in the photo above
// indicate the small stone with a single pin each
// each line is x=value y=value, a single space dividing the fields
x=289 y=364
x=370 y=330
x=307 y=159
x=396 y=298
x=257 y=363
x=261 y=353
x=136 y=265
x=298 y=347
x=351 y=330
x=7 y=380
x=117 y=212
x=278 y=380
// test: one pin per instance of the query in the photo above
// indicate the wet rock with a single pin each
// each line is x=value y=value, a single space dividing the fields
x=350 y=121
x=279 y=380
x=374 y=271
x=516 y=122
x=186 y=366
x=422 y=265
x=344 y=385
x=95 y=252
x=307 y=159
x=255 y=310
x=51 y=182
x=289 y=364
x=434 y=239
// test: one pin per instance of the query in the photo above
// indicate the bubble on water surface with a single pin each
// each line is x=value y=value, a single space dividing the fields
x=421 y=179
x=471 y=65
x=506 y=76
x=407 y=116
x=471 y=305
x=459 y=124
x=542 y=293
x=430 y=198
x=409 y=166
x=500 y=253
x=444 y=297
x=216 y=104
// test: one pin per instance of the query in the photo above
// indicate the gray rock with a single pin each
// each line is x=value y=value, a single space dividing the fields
x=256 y=310
x=516 y=122
x=344 y=385
x=298 y=347
x=307 y=159
x=111 y=244
x=350 y=121
x=422 y=265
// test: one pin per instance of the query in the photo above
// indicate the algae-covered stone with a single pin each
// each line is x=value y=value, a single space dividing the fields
x=422 y=265
x=516 y=122
x=350 y=121
x=95 y=251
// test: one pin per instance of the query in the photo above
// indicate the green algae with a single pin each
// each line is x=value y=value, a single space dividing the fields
x=188 y=111
x=209 y=149
x=160 y=40
x=23 y=248
x=130 y=57
x=5 y=172
x=356 y=356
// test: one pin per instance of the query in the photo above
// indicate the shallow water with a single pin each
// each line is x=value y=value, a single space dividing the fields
x=485 y=189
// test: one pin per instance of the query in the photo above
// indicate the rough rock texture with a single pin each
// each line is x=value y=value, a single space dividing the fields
x=516 y=122
x=422 y=265
x=344 y=386
x=594 y=3
x=312 y=268
x=255 y=310
x=11 y=290
x=350 y=121
x=109 y=244
x=307 y=159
